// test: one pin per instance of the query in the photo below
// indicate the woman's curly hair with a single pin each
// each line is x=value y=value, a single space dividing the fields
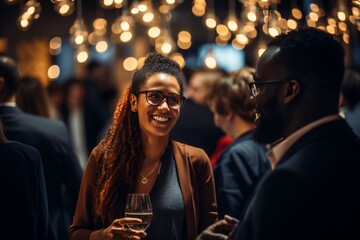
x=119 y=154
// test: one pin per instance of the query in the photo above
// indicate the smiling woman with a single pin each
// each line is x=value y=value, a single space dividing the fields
x=137 y=156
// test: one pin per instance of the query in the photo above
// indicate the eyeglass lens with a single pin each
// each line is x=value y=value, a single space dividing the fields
x=156 y=97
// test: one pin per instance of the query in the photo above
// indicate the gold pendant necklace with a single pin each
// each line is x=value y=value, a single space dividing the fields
x=144 y=179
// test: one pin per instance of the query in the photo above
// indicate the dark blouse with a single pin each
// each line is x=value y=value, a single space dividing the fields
x=168 y=220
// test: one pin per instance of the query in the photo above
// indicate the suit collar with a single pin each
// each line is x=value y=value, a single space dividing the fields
x=330 y=130
x=8 y=104
x=10 y=109
x=278 y=151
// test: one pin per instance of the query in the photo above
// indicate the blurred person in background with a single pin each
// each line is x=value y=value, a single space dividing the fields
x=32 y=97
x=195 y=125
x=99 y=88
x=243 y=163
x=83 y=121
x=22 y=182
x=61 y=168
x=55 y=94
x=350 y=99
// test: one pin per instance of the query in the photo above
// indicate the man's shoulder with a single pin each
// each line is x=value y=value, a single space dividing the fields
x=20 y=154
x=247 y=148
x=42 y=124
x=28 y=128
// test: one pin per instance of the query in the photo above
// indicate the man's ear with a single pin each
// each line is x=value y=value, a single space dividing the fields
x=230 y=116
x=133 y=102
x=293 y=90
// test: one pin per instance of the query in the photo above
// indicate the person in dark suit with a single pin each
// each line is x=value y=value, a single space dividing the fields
x=83 y=121
x=24 y=194
x=61 y=168
x=313 y=191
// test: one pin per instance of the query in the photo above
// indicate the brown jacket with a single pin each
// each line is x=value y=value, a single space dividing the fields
x=196 y=183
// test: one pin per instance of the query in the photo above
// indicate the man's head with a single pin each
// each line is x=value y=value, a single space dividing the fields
x=200 y=84
x=297 y=81
x=9 y=78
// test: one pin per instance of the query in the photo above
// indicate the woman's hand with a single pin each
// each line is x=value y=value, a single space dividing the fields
x=220 y=230
x=118 y=231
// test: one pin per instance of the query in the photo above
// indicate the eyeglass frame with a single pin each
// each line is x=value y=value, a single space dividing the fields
x=182 y=98
x=262 y=82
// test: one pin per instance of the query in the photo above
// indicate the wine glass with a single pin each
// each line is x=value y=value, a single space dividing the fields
x=138 y=205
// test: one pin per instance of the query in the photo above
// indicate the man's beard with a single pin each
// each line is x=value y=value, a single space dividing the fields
x=268 y=130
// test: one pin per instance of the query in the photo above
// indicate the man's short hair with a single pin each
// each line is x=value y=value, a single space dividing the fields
x=10 y=73
x=313 y=56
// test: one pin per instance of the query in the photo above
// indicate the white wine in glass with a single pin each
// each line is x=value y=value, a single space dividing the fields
x=138 y=205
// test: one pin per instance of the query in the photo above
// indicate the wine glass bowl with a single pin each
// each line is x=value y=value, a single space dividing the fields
x=138 y=205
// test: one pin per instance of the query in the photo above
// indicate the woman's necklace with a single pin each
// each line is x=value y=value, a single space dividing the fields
x=144 y=179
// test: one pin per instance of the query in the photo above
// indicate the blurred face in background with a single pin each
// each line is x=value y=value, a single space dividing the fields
x=197 y=90
x=222 y=121
x=76 y=96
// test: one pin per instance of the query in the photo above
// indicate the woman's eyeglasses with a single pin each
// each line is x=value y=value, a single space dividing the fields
x=255 y=87
x=156 y=97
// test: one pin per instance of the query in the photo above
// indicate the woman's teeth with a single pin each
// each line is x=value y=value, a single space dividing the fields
x=161 y=119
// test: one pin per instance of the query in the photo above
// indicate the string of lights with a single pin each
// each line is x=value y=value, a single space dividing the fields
x=246 y=20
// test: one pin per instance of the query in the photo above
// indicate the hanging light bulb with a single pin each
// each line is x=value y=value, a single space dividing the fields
x=64 y=7
x=101 y=46
x=110 y=4
x=271 y=23
x=78 y=33
x=82 y=54
x=106 y=4
x=123 y=29
x=265 y=4
x=144 y=13
x=98 y=36
x=29 y=13
x=164 y=44
x=210 y=60
x=210 y=20
x=139 y=8
x=232 y=23
x=171 y=4
x=11 y=2
x=198 y=8
x=154 y=32
x=119 y=3
x=177 y=57
x=55 y=45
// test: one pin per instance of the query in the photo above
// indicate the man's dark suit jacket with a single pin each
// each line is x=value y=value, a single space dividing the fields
x=313 y=193
x=23 y=202
x=61 y=167
x=239 y=169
